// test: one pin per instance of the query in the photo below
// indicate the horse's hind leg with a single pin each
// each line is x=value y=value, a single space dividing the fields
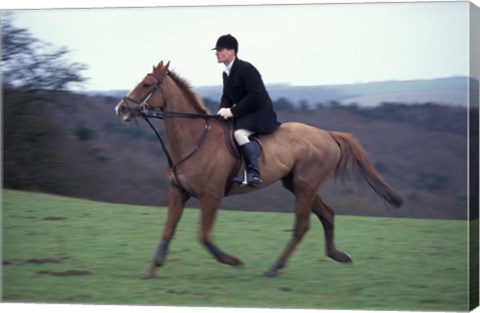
x=305 y=194
x=209 y=206
x=326 y=216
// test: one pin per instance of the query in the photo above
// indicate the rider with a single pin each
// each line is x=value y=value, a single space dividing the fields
x=246 y=100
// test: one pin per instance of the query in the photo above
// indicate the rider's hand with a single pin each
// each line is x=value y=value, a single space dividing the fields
x=225 y=113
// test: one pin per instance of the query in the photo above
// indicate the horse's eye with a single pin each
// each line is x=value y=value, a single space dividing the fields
x=146 y=85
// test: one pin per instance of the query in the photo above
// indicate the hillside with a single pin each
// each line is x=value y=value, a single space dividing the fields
x=73 y=144
x=64 y=250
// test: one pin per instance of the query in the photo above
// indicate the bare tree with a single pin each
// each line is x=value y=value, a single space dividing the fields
x=29 y=63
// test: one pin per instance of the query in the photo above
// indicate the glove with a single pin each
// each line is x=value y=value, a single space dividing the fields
x=225 y=113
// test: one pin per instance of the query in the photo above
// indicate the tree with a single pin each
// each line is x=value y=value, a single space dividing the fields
x=283 y=104
x=304 y=106
x=31 y=64
x=37 y=149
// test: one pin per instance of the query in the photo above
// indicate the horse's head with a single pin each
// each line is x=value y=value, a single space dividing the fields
x=146 y=94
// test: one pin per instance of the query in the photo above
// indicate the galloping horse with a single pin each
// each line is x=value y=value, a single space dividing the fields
x=301 y=156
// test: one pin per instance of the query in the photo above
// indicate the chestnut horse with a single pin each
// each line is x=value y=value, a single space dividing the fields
x=302 y=157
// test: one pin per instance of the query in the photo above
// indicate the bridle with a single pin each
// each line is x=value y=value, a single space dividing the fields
x=143 y=105
x=146 y=112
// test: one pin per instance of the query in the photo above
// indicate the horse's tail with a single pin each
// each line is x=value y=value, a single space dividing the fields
x=353 y=156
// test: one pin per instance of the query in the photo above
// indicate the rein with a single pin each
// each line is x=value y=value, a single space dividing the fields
x=160 y=114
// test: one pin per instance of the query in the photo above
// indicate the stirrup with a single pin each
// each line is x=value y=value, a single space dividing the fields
x=245 y=179
x=254 y=182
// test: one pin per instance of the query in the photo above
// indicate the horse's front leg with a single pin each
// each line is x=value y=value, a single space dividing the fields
x=209 y=206
x=176 y=203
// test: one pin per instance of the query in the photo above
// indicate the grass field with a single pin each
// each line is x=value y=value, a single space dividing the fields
x=63 y=250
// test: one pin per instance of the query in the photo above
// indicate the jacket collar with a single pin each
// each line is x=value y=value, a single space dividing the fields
x=228 y=68
x=233 y=68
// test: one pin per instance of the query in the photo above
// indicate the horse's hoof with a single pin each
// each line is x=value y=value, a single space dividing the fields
x=149 y=272
x=232 y=261
x=341 y=257
x=271 y=273
x=239 y=264
x=146 y=276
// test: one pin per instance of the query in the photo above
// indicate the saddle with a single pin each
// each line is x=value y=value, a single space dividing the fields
x=234 y=150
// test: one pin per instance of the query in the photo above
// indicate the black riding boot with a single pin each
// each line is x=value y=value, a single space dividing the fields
x=252 y=176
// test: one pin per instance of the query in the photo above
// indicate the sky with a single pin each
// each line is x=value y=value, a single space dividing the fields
x=297 y=44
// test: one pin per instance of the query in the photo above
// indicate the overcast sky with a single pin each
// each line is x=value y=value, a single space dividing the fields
x=317 y=44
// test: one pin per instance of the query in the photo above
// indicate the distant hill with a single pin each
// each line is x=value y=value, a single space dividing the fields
x=421 y=150
x=449 y=91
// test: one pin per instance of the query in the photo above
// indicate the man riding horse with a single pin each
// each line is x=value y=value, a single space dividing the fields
x=246 y=100
x=303 y=167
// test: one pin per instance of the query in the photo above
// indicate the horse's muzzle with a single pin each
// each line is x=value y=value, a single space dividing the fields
x=123 y=111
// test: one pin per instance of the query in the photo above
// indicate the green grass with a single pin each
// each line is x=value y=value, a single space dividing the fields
x=399 y=264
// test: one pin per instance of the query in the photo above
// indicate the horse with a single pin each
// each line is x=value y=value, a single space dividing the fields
x=301 y=156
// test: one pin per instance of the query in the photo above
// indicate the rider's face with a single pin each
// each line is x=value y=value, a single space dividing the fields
x=225 y=55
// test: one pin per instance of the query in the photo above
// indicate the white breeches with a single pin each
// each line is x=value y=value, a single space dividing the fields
x=241 y=136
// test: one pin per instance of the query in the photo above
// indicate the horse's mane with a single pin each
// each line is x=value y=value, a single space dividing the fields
x=189 y=93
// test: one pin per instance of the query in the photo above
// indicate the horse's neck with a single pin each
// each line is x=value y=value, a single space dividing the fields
x=183 y=133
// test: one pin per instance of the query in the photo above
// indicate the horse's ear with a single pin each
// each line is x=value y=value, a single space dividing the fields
x=159 y=67
x=164 y=68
